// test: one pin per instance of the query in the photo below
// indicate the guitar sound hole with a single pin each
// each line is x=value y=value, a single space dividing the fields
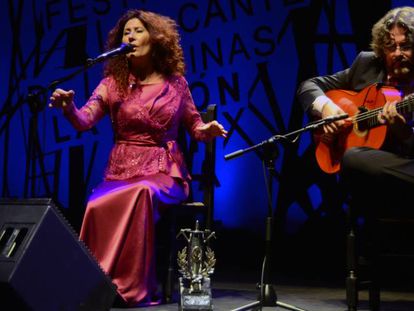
x=363 y=124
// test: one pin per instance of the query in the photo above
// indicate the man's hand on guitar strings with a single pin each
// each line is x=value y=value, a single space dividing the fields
x=389 y=114
x=328 y=110
x=396 y=121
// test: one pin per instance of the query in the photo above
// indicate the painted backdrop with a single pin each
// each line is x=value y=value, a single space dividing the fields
x=246 y=56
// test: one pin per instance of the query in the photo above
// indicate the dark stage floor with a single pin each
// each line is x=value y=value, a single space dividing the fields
x=315 y=289
x=307 y=274
x=228 y=296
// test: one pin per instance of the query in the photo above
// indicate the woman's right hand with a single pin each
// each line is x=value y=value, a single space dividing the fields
x=61 y=98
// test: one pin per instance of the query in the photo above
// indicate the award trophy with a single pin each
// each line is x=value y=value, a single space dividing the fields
x=196 y=262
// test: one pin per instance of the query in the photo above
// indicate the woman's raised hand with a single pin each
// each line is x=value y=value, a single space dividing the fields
x=214 y=129
x=61 y=98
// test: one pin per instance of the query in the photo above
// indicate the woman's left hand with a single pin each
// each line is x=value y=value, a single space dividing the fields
x=213 y=129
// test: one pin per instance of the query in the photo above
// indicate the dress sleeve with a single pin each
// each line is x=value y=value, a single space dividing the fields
x=191 y=117
x=95 y=108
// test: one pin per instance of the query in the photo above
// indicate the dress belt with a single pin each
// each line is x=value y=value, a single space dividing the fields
x=143 y=144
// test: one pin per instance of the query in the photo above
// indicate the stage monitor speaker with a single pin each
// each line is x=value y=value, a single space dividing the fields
x=43 y=265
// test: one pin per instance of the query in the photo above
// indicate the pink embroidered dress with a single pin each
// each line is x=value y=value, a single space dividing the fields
x=145 y=168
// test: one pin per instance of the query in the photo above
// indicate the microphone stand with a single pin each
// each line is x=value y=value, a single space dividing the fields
x=36 y=96
x=89 y=63
x=36 y=100
x=267 y=295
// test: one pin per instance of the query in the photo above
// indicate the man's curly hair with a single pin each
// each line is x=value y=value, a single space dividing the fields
x=167 y=54
x=402 y=17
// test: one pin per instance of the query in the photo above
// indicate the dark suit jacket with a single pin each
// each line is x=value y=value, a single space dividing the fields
x=366 y=69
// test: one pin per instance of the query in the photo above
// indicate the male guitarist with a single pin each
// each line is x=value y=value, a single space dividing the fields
x=372 y=172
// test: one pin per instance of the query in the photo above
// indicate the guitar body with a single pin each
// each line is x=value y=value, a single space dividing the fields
x=364 y=130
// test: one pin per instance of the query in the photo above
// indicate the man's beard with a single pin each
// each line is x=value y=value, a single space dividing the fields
x=402 y=68
x=402 y=71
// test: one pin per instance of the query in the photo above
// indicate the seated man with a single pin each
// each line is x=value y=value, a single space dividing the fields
x=370 y=173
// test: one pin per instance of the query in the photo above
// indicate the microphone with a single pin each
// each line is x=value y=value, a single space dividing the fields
x=122 y=49
x=233 y=154
x=327 y=120
x=334 y=118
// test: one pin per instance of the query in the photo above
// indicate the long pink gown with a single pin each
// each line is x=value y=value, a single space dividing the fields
x=145 y=169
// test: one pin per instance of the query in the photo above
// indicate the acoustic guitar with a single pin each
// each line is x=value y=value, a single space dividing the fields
x=363 y=129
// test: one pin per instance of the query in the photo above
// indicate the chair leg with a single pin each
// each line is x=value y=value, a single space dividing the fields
x=351 y=291
x=351 y=279
x=373 y=263
x=374 y=297
x=351 y=263
x=374 y=289
x=169 y=279
x=168 y=286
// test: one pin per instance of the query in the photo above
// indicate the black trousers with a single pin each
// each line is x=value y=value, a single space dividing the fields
x=380 y=184
x=378 y=181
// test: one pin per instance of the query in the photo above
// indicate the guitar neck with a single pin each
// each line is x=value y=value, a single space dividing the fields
x=406 y=105
x=371 y=116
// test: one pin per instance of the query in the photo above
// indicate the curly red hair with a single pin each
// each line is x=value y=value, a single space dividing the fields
x=167 y=53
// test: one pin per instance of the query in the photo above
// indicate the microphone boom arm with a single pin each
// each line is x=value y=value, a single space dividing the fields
x=123 y=49
x=310 y=126
x=35 y=96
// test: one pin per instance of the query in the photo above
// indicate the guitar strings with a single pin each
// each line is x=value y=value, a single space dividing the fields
x=374 y=112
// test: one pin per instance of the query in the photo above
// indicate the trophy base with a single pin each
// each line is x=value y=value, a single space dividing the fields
x=195 y=300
